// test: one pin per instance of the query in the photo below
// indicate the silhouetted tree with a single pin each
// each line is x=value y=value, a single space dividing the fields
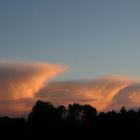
x=61 y=111
x=74 y=111
x=43 y=113
x=88 y=113
x=123 y=110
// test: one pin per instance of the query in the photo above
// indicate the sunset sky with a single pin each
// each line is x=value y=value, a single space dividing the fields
x=93 y=44
x=94 y=37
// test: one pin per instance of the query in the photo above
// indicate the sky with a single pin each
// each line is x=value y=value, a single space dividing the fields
x=94 y=38
x=89 y=47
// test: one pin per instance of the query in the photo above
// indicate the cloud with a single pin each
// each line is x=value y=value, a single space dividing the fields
x=19 y=82
x=14 y=108
x=104 y=94
x=128 y=97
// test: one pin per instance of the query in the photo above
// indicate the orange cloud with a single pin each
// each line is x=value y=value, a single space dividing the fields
x=104 y=94
x=21 y=81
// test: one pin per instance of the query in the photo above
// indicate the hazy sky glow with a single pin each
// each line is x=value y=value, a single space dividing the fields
x=90 y=41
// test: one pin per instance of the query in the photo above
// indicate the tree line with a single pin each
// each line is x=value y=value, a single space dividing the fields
x=45 y=121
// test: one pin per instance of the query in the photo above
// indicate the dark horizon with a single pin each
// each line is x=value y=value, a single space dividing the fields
x=77 y=121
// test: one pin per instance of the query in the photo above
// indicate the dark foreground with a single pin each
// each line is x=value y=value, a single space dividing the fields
x=77 y=122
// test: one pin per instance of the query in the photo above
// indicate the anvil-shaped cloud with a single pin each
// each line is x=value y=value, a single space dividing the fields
x=19 y=82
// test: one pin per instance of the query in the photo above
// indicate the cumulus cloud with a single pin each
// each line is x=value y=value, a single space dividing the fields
x=104 y=94
x=19 y=82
